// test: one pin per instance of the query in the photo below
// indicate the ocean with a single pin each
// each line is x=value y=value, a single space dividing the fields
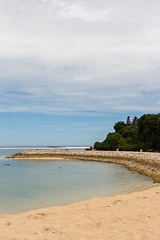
x=27 y=185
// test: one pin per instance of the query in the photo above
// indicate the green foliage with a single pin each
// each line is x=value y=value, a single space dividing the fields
x=149 y=131
x=97 y=145
x=119 y=126
x=146 y=135
x=129 y=131
x=112 y=141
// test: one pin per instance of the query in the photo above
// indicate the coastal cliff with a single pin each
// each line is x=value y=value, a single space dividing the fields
x=144 y=163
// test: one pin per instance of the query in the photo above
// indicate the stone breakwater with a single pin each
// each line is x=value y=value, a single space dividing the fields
x=141 y=162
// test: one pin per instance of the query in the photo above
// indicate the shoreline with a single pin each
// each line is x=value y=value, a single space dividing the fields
x=131 y=215
x=125 y=192
x=141 y=162
x=126 y=216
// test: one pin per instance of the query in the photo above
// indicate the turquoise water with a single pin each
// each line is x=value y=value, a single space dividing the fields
x=26 y=185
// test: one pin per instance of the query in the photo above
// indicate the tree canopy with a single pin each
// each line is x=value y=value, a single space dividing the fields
x=146 y=135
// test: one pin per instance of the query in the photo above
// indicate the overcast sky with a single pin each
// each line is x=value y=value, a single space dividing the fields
x=65 y=57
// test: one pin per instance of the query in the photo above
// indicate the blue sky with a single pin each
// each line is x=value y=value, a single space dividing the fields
x=70 y=69
x=52 y=130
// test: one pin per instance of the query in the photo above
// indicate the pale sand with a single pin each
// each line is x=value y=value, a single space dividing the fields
x=132 y=216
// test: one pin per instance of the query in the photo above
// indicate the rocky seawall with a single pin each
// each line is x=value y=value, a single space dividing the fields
x=141 y=162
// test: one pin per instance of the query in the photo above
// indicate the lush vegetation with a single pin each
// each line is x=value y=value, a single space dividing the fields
x=145 y=135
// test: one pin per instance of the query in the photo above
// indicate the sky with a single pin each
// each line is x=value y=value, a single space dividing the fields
x=70 y=69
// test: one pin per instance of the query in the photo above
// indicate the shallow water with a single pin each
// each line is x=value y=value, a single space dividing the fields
x=26 y=185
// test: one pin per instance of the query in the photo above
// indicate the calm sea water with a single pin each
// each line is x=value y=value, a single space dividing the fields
x=26 y=185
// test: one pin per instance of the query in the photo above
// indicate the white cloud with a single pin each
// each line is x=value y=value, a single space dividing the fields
x=79 y=55
x=77 y=11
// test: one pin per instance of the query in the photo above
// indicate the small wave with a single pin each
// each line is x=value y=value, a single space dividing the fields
x=43 y=148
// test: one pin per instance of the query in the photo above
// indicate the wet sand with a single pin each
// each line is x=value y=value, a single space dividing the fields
x=132 y=216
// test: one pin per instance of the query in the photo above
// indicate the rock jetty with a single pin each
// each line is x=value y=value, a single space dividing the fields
x=141 y=162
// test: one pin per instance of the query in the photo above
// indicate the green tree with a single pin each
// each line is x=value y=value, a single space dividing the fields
x=119 y=126
x=148 y=130
x=98 y=146
x=129 y=131
x=146 y=135
x=112 y=141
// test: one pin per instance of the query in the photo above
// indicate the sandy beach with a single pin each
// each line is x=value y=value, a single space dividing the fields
x=128 y=217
